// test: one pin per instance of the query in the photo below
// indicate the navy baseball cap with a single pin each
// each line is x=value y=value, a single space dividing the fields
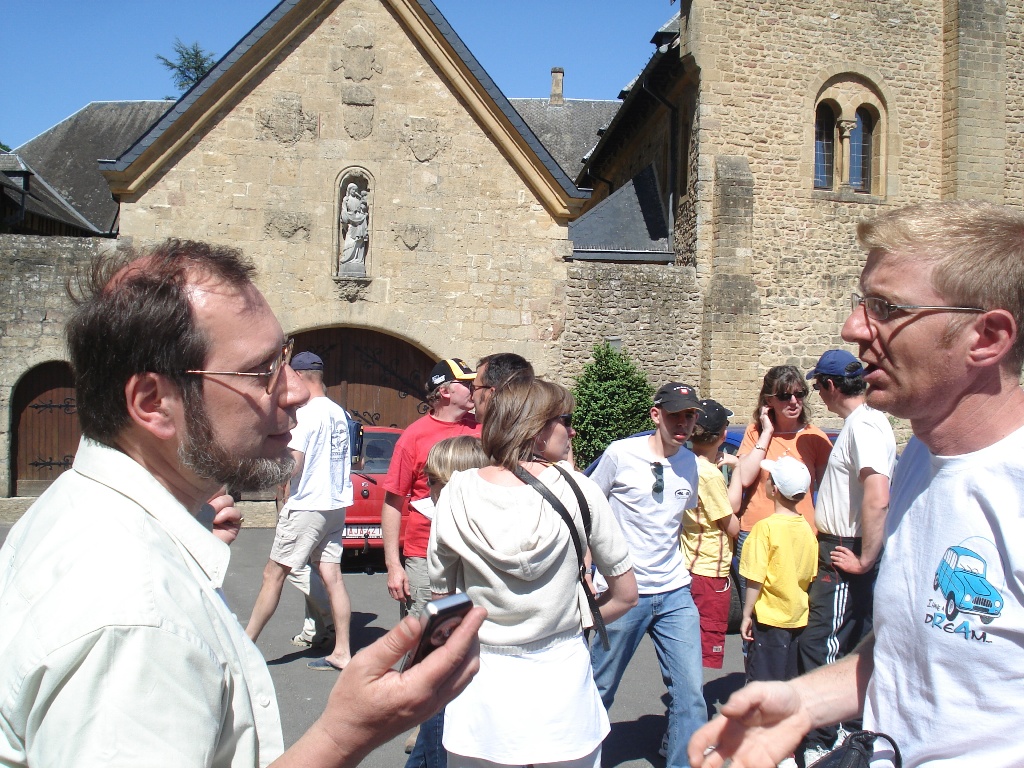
x=714 y=417
x=307 y=361
x=836 y=362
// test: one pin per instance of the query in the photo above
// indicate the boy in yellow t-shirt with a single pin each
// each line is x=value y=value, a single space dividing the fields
x=708 y=533
x=779 y=562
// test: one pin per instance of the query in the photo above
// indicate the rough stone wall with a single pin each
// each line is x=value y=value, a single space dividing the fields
x=1014 y=156
x=462 y=258
x=762 y=65
x=653 y=309
x=33 y=308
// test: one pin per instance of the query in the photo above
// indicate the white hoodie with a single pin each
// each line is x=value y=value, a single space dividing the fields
x=511 y=553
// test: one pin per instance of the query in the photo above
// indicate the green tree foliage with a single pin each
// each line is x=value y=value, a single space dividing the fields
x=191 y=63
x=613 y=400
x=4 y=147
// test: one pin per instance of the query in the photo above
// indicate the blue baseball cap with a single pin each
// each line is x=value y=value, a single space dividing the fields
x=836 y=362
x=307 y=361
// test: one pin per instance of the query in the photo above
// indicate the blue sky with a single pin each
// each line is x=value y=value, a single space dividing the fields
x=58 y=55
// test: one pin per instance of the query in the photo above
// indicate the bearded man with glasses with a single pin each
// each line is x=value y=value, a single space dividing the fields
x=938 y=324
x=118 y=646
x=650 y=481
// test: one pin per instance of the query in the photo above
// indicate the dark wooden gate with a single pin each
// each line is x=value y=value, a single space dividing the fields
x=378 y=378
x=46 y=431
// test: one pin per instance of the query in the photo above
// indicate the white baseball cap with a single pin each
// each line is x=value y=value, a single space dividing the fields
x=789 y=475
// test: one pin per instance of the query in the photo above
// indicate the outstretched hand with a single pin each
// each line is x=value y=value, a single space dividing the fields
x=372 y=703
x=758 y=727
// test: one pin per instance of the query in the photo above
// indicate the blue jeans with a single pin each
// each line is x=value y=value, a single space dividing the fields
x=429 y=752
x=672 y=621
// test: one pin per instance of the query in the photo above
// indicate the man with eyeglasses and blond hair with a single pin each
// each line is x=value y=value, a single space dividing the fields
x=117 y=647
x=650 y=481
x=937 y=319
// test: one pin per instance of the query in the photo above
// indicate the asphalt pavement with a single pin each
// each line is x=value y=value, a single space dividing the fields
x=638 y=715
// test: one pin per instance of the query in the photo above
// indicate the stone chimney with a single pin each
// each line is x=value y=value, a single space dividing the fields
x=557 y=75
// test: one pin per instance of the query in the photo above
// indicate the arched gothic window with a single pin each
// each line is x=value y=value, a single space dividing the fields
x=860 y=151
x=824 y=146
x=850 y=127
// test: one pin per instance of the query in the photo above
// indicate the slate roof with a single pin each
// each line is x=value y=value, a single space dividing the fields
x=628 y=225
x=667 y=40
x=568 y=130
x=41 y=199
x=132 y=153
x=67 y=154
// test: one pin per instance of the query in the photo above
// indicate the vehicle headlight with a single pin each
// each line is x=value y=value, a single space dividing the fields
x=999 y=604
x=968 y=599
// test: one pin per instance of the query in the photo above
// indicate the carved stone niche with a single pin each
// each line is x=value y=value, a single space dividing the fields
x=355 y=205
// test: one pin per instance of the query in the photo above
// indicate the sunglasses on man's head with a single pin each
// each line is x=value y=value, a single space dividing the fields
x=659 y=477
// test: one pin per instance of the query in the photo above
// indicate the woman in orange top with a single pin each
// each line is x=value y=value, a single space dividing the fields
x=781 y=427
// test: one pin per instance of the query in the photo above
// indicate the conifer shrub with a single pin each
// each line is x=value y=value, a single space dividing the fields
x=613 y=400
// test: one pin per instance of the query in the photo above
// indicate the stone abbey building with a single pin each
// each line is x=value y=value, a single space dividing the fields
x=400 y=209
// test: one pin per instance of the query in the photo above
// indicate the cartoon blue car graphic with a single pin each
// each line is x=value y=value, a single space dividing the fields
x=960 y=577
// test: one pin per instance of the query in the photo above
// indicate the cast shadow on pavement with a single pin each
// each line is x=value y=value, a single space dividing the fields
x=634 y=740
x=360 y=632
x=718 y=691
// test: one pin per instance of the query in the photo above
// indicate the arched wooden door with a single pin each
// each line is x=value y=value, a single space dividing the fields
x=377 y=378
x=46 y=430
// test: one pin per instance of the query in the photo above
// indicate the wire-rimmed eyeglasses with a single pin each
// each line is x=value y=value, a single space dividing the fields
x=283 y=358
x=880 y=309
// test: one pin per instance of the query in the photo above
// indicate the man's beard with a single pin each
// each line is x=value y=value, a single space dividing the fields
x=200 y=452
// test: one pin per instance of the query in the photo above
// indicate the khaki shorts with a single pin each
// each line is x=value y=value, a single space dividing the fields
x=308 y=536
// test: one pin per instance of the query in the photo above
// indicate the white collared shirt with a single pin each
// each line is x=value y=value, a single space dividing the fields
x=116 y=645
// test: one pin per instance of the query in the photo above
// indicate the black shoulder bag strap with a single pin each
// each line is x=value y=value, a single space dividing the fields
x=580 y=498
x=559 y=507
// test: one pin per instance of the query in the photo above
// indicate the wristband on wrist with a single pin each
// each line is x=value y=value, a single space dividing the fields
x=760 y=448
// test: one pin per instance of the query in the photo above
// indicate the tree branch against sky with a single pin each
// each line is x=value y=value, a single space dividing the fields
x=190 y=65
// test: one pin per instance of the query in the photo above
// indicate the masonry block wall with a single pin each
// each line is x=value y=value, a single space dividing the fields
x=653 y=309
x=463 y=259
x=1014 y=117
x=974 y=100
x=732 y=300
x=34 y=306
x=762 y=67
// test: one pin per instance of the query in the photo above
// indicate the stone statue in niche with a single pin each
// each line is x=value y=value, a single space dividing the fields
x=355 y=220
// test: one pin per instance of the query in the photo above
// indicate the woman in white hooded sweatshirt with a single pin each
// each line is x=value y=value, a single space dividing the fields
x=496 y=538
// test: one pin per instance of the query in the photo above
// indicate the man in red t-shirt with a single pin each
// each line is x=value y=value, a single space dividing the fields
x=450 y=397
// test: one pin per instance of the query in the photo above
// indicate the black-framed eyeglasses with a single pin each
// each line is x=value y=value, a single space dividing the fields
x=659 y=477
x=284 y=357
x=881 y=310
x=787 y=396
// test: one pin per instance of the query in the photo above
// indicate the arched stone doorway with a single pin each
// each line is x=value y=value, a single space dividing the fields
x=377 y=378
x=45 y=430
